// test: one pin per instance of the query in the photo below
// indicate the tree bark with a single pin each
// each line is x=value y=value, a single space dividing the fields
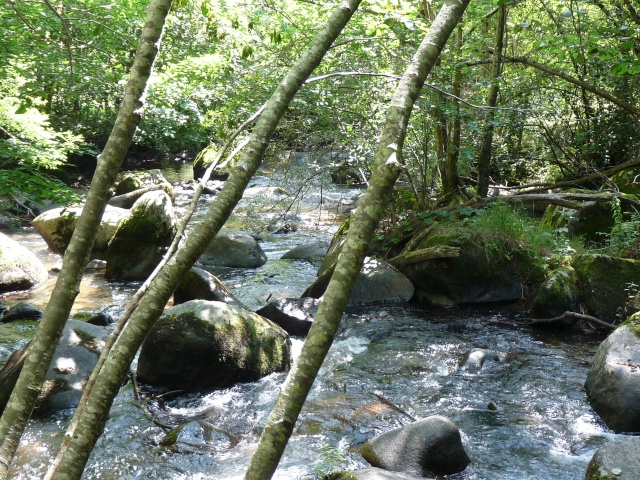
x=27 y=389
x=451 y=179
x=387 y=167
x=87 y=427
x=484 y=157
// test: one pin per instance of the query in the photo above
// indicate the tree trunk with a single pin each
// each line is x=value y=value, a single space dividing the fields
x=451 y=179
x=387 y=167
x=484 y=157
x=27 y=389
x=87 y=426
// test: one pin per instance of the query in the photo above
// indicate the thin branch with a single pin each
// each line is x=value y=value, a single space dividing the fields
x=573 y=316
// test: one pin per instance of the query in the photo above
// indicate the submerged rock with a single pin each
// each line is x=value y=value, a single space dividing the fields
x=426 y=447
x=202 y=344
x=142 y=238
x=20 y=269
x=474 y=360
x=231 y=248
x=618 y=459
x=613 y=382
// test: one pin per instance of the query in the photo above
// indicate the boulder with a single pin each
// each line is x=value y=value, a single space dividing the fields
x=558 y=294
x=142 y=238
x=592 y=221
x=130 y=181
x=20 y=269
x=22 y=311
x=56 y=227
x=618 y=459
x=295 y=316
x=199 y=284
x=201 y=345
x=379 y=282
x=127 y=200
x=204 y=159
x=73 y=361
x=312 y=252
x=195 y=435
x=426 y=447
x=613 y=381
x=231 y=248
x=604 y=282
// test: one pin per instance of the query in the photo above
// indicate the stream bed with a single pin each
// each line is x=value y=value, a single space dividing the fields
x=524 y=417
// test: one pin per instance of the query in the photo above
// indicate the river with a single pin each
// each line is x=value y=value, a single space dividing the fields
x=525 y=417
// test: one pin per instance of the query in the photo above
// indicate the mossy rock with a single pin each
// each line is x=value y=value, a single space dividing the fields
x=618 y=459
x=142 y=238
x=558 y=294
x=128 y=182
x=204 y=159
x=202 y=344
x=604 y=282
x=20 y=269
x=627 y=181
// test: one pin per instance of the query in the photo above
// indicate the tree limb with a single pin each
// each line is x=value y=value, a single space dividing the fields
x=573 y=316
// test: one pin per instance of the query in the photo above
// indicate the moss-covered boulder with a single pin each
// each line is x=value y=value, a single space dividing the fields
x=558 y=294
x=592 y=221
x=204 y=159
x=201 y=345
x=604 y=283
x=628 y=181
x=20 y=269
x=57 y=225
x=473 y=277
x=618 y=459
x=232 y=248
x=429 y=446
x=142 y=238
x=613 y=381
x=130 y=181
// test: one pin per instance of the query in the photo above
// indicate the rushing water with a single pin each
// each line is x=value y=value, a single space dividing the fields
x=525 y=417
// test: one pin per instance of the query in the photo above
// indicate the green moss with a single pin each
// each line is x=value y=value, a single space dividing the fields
x=595 y=472
x=171 y=438
x=633 y=322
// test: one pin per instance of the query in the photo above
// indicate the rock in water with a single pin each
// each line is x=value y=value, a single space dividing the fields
x=22 y=311
x=20 y=269
x=142 y=238
x=235 y=249
x=618 y=459
x=202 y=344
x=613 y=382
x=426 y=447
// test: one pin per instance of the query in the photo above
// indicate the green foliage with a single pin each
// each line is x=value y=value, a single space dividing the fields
x=624 y=239
x=331 y=460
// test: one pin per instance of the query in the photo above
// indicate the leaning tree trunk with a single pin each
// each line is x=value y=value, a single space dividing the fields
x=388 y=164
x=484 y=157
x=87 y=427
x=451 y=178
x=27 y=389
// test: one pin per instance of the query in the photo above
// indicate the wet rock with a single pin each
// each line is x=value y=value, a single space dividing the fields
x=372 y=474
x=127 y=200
x=558 y=294
x=604 y=283
x=613 y=382
x=378 y=282
x=20 y=269
x=231 y=248
x=426 y=447
x=196 y=435
x=204 y=159
x=57 y=225
x=312 y=252
x=295 y=316
x=22 y=311
x=142 y=238
x=201 y=345
x=73 y=361
x=103 y=319
x=474 y=359
x=618 y=459
x=199 y=284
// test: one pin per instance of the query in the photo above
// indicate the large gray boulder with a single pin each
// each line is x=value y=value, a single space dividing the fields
x=613 y=382
x=378 y=282
x=232 y=248
x=201 y=345
x=426 y=447
x=57 y=225
x=20 y=269
x=618 y=459
x=294 y=315
x=73 y=361
x=142 y=238
x=199 y=284
x=312 y=252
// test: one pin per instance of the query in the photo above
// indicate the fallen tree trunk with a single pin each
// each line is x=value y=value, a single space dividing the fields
x=424 y=254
